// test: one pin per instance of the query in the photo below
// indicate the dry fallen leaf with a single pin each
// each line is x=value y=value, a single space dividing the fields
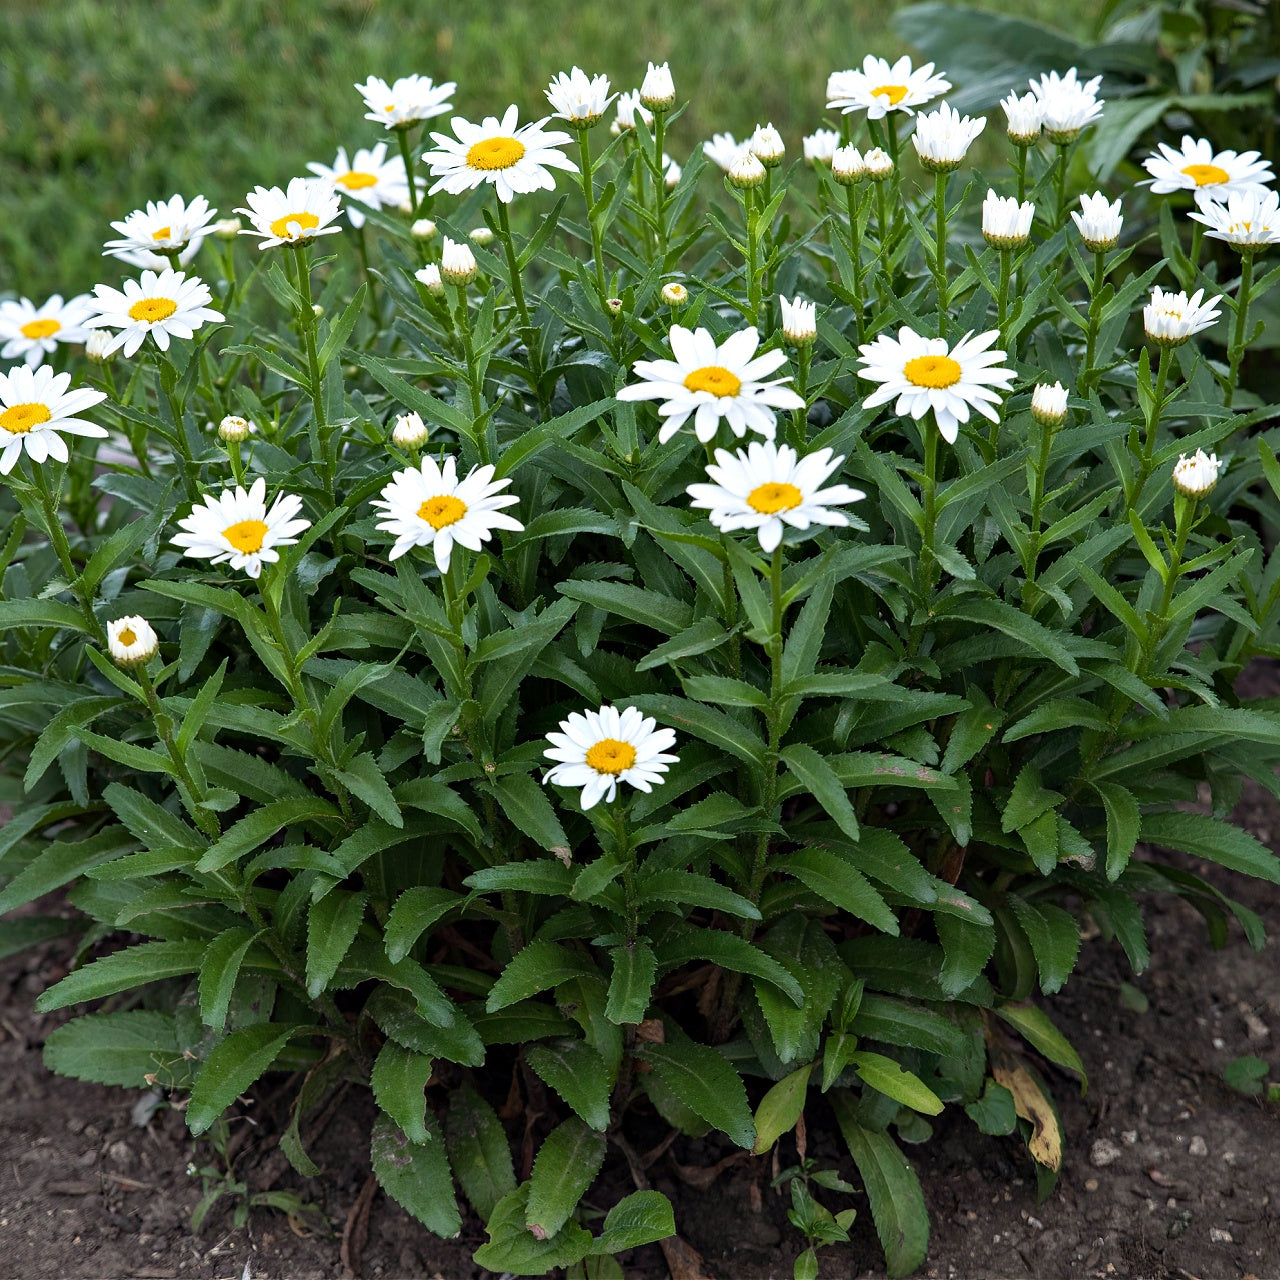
x=1030 y=1103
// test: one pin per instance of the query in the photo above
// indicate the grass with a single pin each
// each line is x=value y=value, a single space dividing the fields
x=112 y=105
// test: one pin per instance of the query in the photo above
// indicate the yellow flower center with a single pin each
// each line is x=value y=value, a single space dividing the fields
x=932 y=371
x=41 y=328
x=894 y=92
x=163 y=234
x=769 y=499
x=611 y=756
x=719 y=381
x=127 y=637
x=18 y=419
x=1206 y=175
x=150 y=310
x=442 y=510
x=280 y=227
x=246 y=536
x=353 y=180
x=495 y=153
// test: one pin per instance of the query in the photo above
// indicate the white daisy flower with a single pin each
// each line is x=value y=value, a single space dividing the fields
x=1024 y=117
x=406 y=101
x=596 y=750
x=431 y=277
x=1006 y=224
x=1196 y=476
x=924 y=373
x=848 y=166
x=628 y=109
x=747 y=170
x=880 y=88
x=370 y=179
x=1210 y=174
x=515 y=159
x=769 y=486
x=1049 y=403
x=820 y=146
x=167 y=305
x=579 y=98
x=878 y=164
x=457 y=262
x=722 y=150
x=710 y=382
x=943 y=137
x=30 y=333
x=428 y=506
x=237 y=527
x=799 y=321
x=767 y=146
x=131 y=640
x=1099 y=222
x=409 y=432
x=1068 y=104
x=658 y=90
x=674 y=294
x=1247 y=220
x=306 y=208
x=35 y=406
x=164 y=224
x=1169 y=319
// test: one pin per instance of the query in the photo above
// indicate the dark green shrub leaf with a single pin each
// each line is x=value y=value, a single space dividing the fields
x=399 y=1080
x=577 y=1073
x=416 y=1175
x=565 y=1166
x=705 y=1081
x=231 y=1067
x=118 y=1048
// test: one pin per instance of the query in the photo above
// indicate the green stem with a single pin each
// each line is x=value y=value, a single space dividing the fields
x=589 y=196
x=1060 y=184
x=1164 y=358
x=190 y=472
x=627 y=854
x=370 y=294
x=1039 y=477
x=205 y=818
x=1002 y=301
x=462 y=318
x=1095 y=318
x=527 y=330
x=1021 y=166
x=940 y=257
x=753 y=258
x=62 y=548
x=660 y=183
x=307 y=323
x=406 y=153
x=853 y=203
x=928 y=564
x=1236 y=354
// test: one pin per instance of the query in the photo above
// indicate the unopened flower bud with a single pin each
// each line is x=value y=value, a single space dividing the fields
x=226 y=228
x=430 y=276
x=1195 y=477
x=847 y=166
x=317 y=310
x=97 y=345
x=131 y=641
x=820 y=147
x=482 y=236
x=409 y=432
x=1006 y=224
x=746 y=171
x=1049 y=404
x=233 y=429
x=423 y=229
x=614 y=305
x=1025 y=118
x=799 y=321
x=658 y=91
x=879 y=164
x=674 y=294
x=767 y=146
x=457 y=263
x=1099 y=222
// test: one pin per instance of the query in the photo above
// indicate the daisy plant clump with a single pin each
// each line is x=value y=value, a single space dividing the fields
x=642 y=633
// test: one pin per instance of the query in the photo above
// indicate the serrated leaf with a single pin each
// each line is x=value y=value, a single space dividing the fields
x=332 y=925
x=219 y=970
x=1033 y=1024
x=478 y=1150
x=565 y=1166
x=231 y=1067
x=967 y=947
x=414 y=912
x=416 y=1175
x=832 y=878
x=538 y=967
x=577 y=1073
x=643 y=1217
x=894 y=1081
x=525 y=803
x=399 y=1080
x=114 y=1048
x=1210 y=838
x=820 y=780
x=630 y=983
x=706 y=1082
x=364 y=779
x=121 y=971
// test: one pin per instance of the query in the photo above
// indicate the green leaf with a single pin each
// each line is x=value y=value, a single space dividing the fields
x=781 y=1108
x=832 y=878
x=1054 y=938
x=636 y=604
x=41 y=613
x=1012 y=622
x=253 y=831
x=730 y=952
x=398 y=1017
x=332 y=925
x=414 y=912
x=1210 y=838
x=895 y=1082
x=994 y=1112
x=27 y=931
x=1033 y=1024
x=364 y=779
x=416 y=1175
x=659 y=888
x=478 y=1150
x=897 y=1203
x=1028 y=800
x=527 y=806
x=706 y=1082
x=59 y=864
x=399 y=1081
x=219 y=970
x=643 y=1217
x=631 y=983
x=115 y=1048
x=803 y=646
x=716 y=727
x=121 y=971
x=231 y=1067
x=512 y=1249
x=967 y=947
x=577 y=1073
x=539 y=967
x=565 y=1166
x=971 y=731
x=821 y=781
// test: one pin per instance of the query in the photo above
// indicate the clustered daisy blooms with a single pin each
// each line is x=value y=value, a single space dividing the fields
x=879 y=88
x=405 y=101
x=925 y=373
x=1067 y=103
x=515 y=158
x=770 y=487
x=369 y=178
x=35 y=405
x=1212 y=175
x=597 y=750
x=303 y=210
x=428 y=506
x=161 y=306
x=711 y=382
x=237 y=527
x=30 y=333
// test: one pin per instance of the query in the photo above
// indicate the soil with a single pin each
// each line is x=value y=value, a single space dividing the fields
x=1167 y=1172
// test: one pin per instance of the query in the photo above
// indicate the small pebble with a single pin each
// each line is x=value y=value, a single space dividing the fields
x=1104 y=1152
x=1198 y=1146
x=1129 y=1137
x=1218 y=1236
x=1091 y=1184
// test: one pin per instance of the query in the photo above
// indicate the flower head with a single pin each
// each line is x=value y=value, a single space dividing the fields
x=409 y=432
x=457 y=262
x=596 y=750
x=172 y=226
x=746 y=171
x=878 y=164
x=306 y=208
x=579 y=98
x=1049 y=404
x=943 y=137
x=1024 y=118
x=30 y=333
x=674 y=294
x=35 y=405
x=880 y=88
x=1210 y=174
x=768 y=486
x=628 y=110
x=237 y=527
x=925 y=373
x=431 y=277
x=799 y=321
x=233 y=429
x=722 y=150
x=1006 y=224
x=1196 y=476
x=131 y=640
x=98 y=347
x=709 y=382
x=1246 y=220
x=670 y=172
x=369 y=178
x=1099 y=222
x=405 y=101
x=428 y=506
x=1068 y=104
x=767 y=146
x=848 y=166
x=515 y=158
x=160 y=306
x=1169 y=319
x=423 y=229
x=820 y=146
x=658 y=90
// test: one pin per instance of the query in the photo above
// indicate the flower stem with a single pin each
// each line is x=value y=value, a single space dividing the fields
x=1152 y=425
x=660 y=183
x=406 y=154
x=940 y=257
x=1236 y=354
x=1021 y=166
x=928 y=563
x=527 y=330
x=307 y=323
x=1060 y=183
x=1002 y=301
x=462 y=318
x=627 y=855
x=853 y=202
x=1095 y=318
x=589 y=196
x=752 y=312
x=62 y=549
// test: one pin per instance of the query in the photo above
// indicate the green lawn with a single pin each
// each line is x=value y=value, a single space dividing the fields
x=110 y=105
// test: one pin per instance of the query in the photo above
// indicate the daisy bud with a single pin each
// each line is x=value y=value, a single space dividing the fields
x=233 y=429
x=1195 y=477
x=878 y=164
x=658 y=92
x=131 y=641
x=820 y=147
x=848 y=166
x=628 y=108
x=1099 y=222
x=1170 y=319
x=430 y=276
x=1006 y=224
x=614 y=305
x=97 y=346
x=317 y=310
x=675 y=294
x=457 y=263
x=1025 y=118
x=942 y=138
x=483 y=236
x=767 y=146
x=410 y=432
x=227 y=228
x=1049 y=404
x=423 y=229
x=746 y=171
x=799 y=321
